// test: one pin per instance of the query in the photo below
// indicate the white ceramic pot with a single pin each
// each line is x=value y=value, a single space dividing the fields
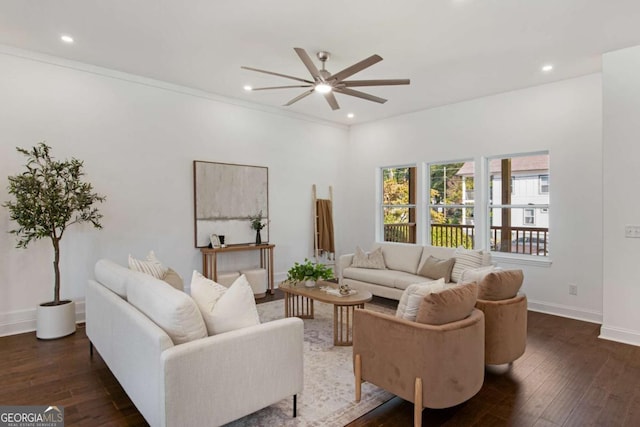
x=56 y=321
x=310 y=283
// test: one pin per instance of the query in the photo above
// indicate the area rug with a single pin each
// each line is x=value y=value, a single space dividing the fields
x=328 y=397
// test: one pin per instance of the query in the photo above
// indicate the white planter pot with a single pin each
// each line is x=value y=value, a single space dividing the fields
x=310 y=283
x=56 y=321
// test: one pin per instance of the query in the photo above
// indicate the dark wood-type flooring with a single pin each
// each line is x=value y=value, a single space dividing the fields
x=567 y=377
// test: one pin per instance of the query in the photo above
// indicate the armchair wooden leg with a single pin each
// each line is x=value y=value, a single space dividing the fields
x=358 y=375
x=90 y=350
x=417 y=404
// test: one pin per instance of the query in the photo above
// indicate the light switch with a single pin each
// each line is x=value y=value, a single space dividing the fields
x=632 y=231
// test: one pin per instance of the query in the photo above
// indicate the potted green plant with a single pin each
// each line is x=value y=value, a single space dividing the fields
x=257 y=224
x=49 y=196
x=309 y=273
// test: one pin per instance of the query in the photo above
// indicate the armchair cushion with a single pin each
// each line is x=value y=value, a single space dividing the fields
x=450 y=305
x=500 y=285
x=412 y=297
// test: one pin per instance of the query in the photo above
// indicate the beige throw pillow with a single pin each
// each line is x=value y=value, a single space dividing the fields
x=174 y=279
x=373 y=259
x=500 y=285
x=150 y=266
x=477 y=274
x=412 y=297
x=450 y=305
x=436 y=268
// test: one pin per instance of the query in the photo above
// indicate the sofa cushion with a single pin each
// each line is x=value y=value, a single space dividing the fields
x=450 y=305
x=113 y=276
x=465 y=259
x=500 y=285
x=373 y=260
x=151 y=265
x=412 y=297
x=401 y=257
x=173 y=311
x=476 y=274
x=225 y=309
x=436 y=268
x=389 y=278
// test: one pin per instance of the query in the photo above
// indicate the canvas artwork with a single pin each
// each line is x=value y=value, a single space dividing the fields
x=226 y=196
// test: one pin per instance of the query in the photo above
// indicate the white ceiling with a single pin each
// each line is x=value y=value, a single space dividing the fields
x=451 y=50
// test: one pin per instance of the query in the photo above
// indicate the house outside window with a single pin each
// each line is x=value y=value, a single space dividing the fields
x=519 y=216
x=451 y=201
x=399 y=204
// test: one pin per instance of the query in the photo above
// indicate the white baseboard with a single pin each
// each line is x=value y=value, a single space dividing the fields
x=21 y=321
x=622 y=335
x=565 y=311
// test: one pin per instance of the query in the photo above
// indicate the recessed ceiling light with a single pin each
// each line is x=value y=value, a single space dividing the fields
x=546 y=68
x=248 y=88
x=351 y=115
x=66 y=38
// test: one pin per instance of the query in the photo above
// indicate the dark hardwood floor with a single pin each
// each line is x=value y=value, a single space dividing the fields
x=567 y=377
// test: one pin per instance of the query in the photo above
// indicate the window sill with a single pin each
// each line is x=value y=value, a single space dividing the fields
x=533 y=260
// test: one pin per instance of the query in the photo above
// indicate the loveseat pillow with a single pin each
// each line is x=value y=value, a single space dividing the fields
x=224 y=309
x=372 y=260
x=465 y=259
x=412 y=297
x=172 y=310
x=477 y=274
x=151 y=265
x=500 y=285
x=450 y=305
x=174 y=279
x=436 y=268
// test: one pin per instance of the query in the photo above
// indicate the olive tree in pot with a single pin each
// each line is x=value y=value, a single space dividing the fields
x=49 y=196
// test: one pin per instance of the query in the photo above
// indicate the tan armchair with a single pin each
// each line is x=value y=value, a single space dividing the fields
x=431 y=366
x=505 y=329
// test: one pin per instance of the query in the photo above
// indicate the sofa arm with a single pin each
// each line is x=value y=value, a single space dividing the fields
x=218 y=379
x=343 y=262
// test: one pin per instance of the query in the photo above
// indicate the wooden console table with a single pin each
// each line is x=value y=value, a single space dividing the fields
x=210 y=259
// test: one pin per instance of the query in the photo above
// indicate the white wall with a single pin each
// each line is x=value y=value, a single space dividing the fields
x=138 y=139
x=621 y=125
x=564 y=118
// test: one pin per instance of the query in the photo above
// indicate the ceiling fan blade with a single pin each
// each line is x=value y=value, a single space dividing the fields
x=279 y=87
x=299 y=97
x=304 y=56
x=359 y=94
x=384 y=82
x=331 y=99
x=349 y=71
x=277 y=74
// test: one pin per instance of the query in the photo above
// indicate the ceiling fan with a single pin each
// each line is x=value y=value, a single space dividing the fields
x=326 y=83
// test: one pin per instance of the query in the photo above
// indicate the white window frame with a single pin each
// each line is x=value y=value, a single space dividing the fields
x=540 y=184
x=532 y=216
x=381 y=206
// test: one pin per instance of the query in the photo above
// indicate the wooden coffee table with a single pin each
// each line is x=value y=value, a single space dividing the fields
x=298 y=302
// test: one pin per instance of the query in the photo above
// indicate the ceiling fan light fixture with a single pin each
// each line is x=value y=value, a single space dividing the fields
x=323 y=88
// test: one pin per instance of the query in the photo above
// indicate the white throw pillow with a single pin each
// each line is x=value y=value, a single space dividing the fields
x=476 y=274
x=151 y=266
x=465 y=259
x=412 y=296
x=224 y=309
x=172 y=310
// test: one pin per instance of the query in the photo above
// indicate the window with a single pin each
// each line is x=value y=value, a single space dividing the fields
x=399 y=204
x=451 y=204
x=529 y=216
x=519 y=220
x=543 y=184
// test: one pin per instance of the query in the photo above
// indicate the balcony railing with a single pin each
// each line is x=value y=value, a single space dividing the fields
x=523 y=240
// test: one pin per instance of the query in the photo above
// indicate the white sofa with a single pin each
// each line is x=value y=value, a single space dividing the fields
x=207 y=381
x=402 y=261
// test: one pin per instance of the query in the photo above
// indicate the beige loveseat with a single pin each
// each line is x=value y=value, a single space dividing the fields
x=176 y=375
x=403 y=261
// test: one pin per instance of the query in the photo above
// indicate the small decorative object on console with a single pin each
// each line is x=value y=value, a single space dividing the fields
x=257 y=224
